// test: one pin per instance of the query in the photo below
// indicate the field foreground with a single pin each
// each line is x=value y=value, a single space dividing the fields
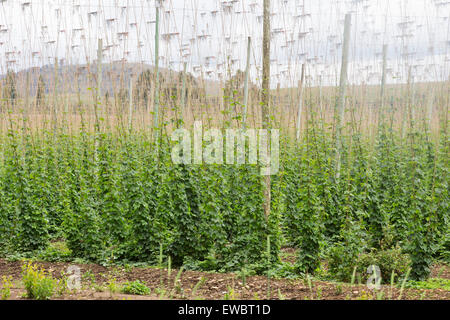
x=104 y=283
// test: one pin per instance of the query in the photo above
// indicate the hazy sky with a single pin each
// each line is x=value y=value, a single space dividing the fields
x=212 y=36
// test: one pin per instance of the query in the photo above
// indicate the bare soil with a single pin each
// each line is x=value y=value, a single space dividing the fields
x=95 y=280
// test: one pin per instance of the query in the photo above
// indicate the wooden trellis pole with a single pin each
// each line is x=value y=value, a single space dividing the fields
x=27 y=93
x=247 y=70
x=156 y=102
x=430 y=107
x=55 y=91
x=98 y=95
x=383 y=83
x=406 y=111
x=266 y=95
x=130 y=100
x=339 y=110
x=183 y=92
x=300 y=103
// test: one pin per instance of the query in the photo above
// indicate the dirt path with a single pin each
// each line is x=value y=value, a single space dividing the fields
x=98 y=282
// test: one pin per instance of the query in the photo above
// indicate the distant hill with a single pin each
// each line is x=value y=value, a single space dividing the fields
x=114 y=76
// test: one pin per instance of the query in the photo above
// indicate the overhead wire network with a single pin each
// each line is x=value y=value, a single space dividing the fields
x=211 y=37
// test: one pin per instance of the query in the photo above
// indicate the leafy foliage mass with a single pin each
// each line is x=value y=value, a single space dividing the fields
x=135 y=287
x=38 y=284
x=116 y=197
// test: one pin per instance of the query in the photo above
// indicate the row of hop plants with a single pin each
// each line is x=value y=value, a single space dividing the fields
x=116 y=197
x=390 y=194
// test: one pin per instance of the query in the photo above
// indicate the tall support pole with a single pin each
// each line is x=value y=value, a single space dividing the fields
x=130 y=99
x=339 y=110
x=266 y=66
x=183 y=93
x=66 y=104
x=406 y=112
x=97 y=103
x=383 y=83
x=412 y=104
x=266 y=95
x=55 y=90
x=430 y=107
x=405 y=104
x=66 y=98
x=322 y=114
x=300 y=103
x=156 y=102
x=98 y=96
x=27 y=93
x=277 y=103
x=247 y=71
x=26 y=109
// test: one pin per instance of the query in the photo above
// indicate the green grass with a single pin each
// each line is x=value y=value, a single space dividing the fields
x=432 y=283
x=136 y=288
